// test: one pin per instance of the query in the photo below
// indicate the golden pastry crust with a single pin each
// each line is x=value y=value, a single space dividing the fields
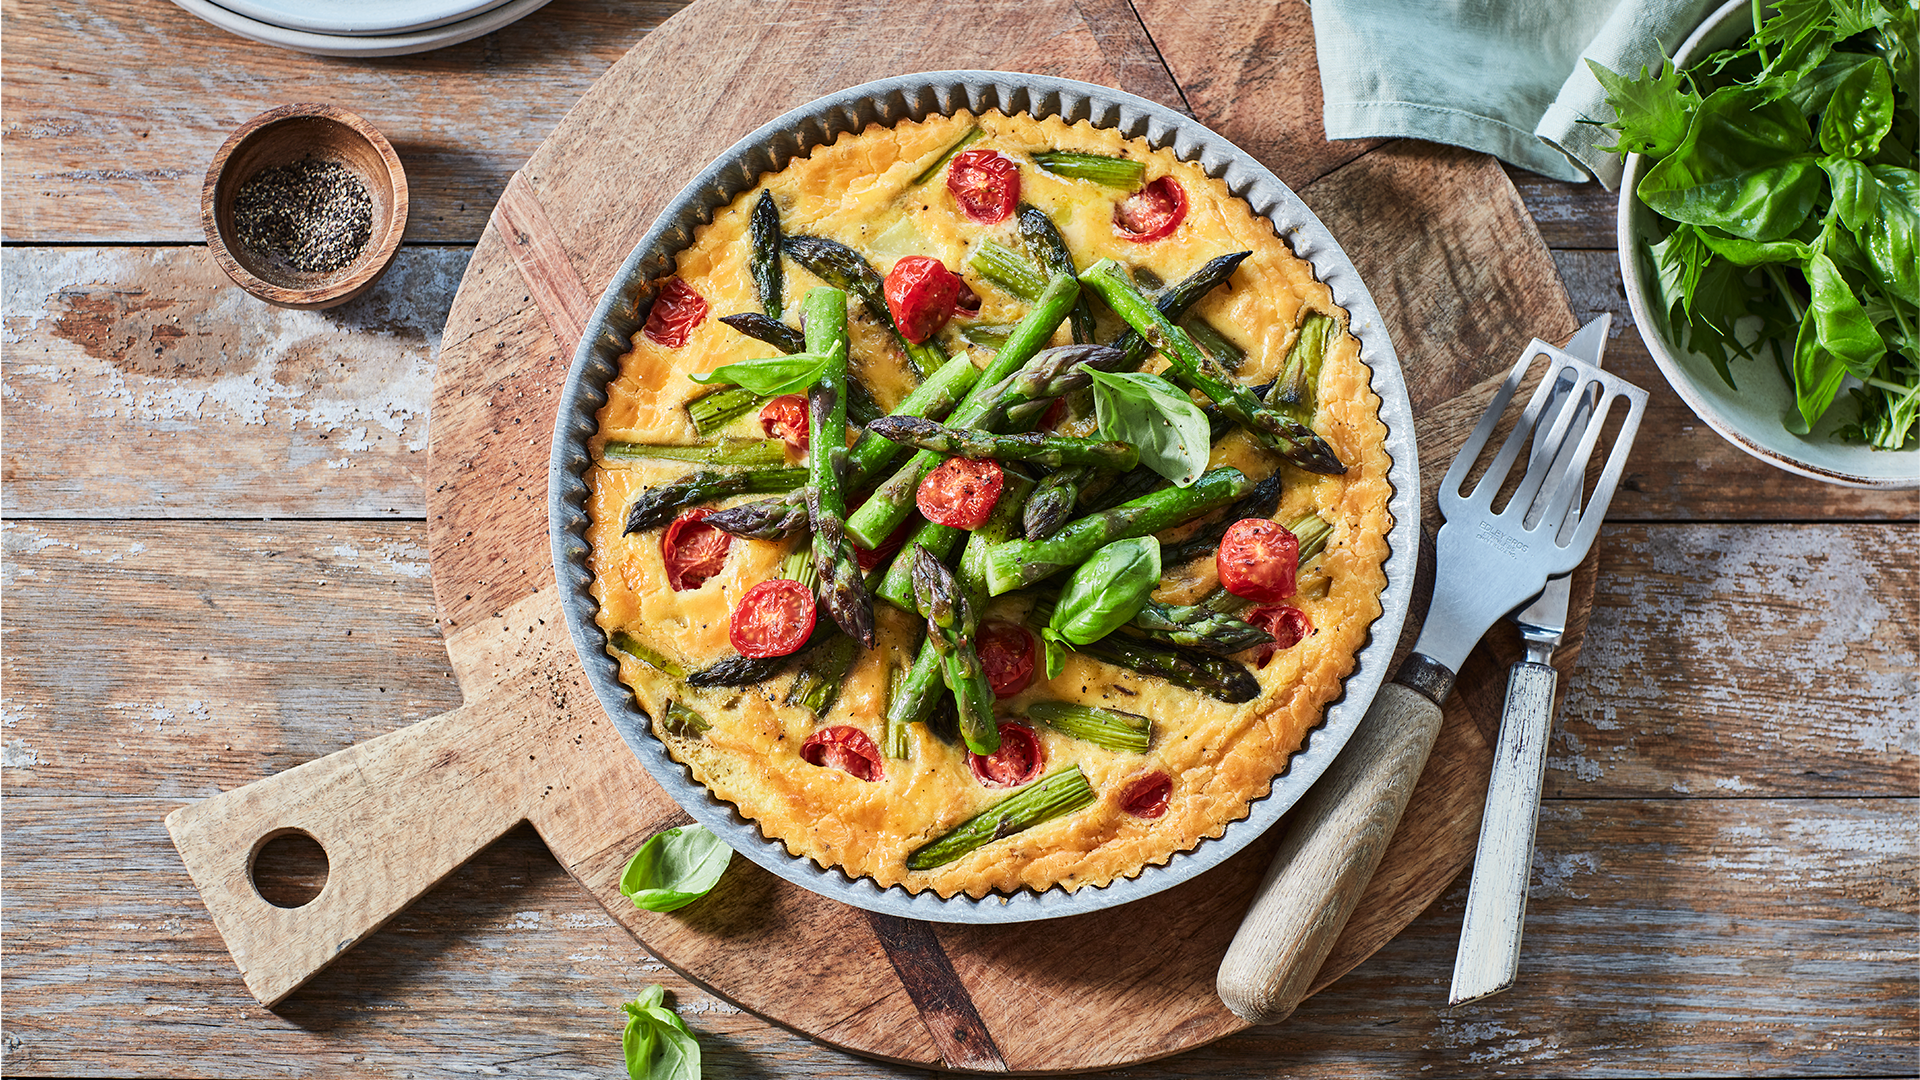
x=1220 y=757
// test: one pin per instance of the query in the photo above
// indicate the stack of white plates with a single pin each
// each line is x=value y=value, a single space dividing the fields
x=361 y=27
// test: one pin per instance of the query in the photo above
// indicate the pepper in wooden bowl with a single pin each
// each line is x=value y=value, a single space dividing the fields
x=304 y=205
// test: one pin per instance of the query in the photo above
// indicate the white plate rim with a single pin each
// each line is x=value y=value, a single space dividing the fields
x=360 y=18
x=366 y=46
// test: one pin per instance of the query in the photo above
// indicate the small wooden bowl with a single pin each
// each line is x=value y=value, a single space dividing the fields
x=284 y=136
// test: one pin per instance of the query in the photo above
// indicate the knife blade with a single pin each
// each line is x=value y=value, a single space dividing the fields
x=1488 y=959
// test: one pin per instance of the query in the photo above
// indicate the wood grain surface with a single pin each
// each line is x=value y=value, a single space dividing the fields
x=1724 y=883
x=591 y=192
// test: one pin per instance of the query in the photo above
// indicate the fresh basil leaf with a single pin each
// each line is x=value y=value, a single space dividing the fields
x=1746 y=166
x=1860 y=113
x=1743 y=252
x=674 y=868
x=657 y=1043
x=1840 y=324
x=1650 y=112
x=1811 y=94
x=1890 y=237
x=1817 y=374
x=773 y=375
x=1158 y=418
x=1104 y=593
x=1057 y=647
x=1856 y=195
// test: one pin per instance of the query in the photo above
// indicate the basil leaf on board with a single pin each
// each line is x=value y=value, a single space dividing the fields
x=657 y=1043
x=1649 y=112
x=1860 y=113
x=674 y=868
x=1745 y=166
x=1101 y=596
x=1158 y=418
x=773 y=375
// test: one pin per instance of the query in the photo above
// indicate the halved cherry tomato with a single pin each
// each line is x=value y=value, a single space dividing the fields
x=1147 y=797
x=1056 y=412
x=1258 y=560
x=845 y=748
x=1152 y=212
x=1287 y=624
x=961 y=493
x=773 y=619
x=693 y=550
x=923 y=294
x=895 y=540
x=1007 y=653
x=986 y=184
x=1019 y=759
x=785 y=417
x=676 y=311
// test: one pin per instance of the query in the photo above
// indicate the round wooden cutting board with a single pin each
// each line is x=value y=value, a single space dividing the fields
x=1439 y=235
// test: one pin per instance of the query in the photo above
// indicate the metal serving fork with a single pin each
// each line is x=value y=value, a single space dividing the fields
x=1489 y=562
x=1489 y=955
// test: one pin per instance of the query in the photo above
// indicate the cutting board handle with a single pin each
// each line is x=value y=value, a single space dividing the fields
x=395 y=815
x=1334 y=844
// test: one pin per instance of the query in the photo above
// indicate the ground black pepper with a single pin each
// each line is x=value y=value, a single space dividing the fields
x=314 y=215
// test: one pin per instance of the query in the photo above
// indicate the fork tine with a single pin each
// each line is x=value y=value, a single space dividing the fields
x=1469 y=451
x=1495 y=476
x=1534 y=481
x=1576 y=547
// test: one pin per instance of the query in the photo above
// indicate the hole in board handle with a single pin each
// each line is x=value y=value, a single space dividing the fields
x=288 y=868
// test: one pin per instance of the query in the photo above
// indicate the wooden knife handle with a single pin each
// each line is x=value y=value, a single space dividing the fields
x=1489 y=955
x=1336 y=838
x=394 y=814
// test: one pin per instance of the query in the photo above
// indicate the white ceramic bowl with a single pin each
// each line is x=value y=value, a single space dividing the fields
x=1750 y=417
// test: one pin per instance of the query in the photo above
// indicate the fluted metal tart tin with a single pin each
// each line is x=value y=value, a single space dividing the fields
x=623 y=310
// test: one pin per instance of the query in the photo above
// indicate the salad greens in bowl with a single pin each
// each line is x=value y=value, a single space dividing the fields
x=1767 y=231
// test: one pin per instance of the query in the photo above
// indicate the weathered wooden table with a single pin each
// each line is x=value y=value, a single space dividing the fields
x=215 y=569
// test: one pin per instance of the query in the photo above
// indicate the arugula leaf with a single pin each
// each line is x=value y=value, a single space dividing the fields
x=1803 y=31
x=1852 y=17
x=1745 y=166
x=1650 y=112
x=1677 y=262
x=1860 y=113
x=674 y=868
x=773 y=375
x=657 y=1043
x=1157 y=417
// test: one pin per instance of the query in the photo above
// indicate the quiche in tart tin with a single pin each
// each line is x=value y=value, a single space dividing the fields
x=880 y=191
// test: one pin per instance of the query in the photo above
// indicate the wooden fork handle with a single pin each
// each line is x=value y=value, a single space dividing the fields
x=1333 y=845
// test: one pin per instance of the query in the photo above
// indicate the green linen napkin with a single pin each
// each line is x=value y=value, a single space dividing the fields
x=1506 y=78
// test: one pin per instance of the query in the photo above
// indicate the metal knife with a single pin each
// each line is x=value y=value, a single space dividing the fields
x=1489 y=955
